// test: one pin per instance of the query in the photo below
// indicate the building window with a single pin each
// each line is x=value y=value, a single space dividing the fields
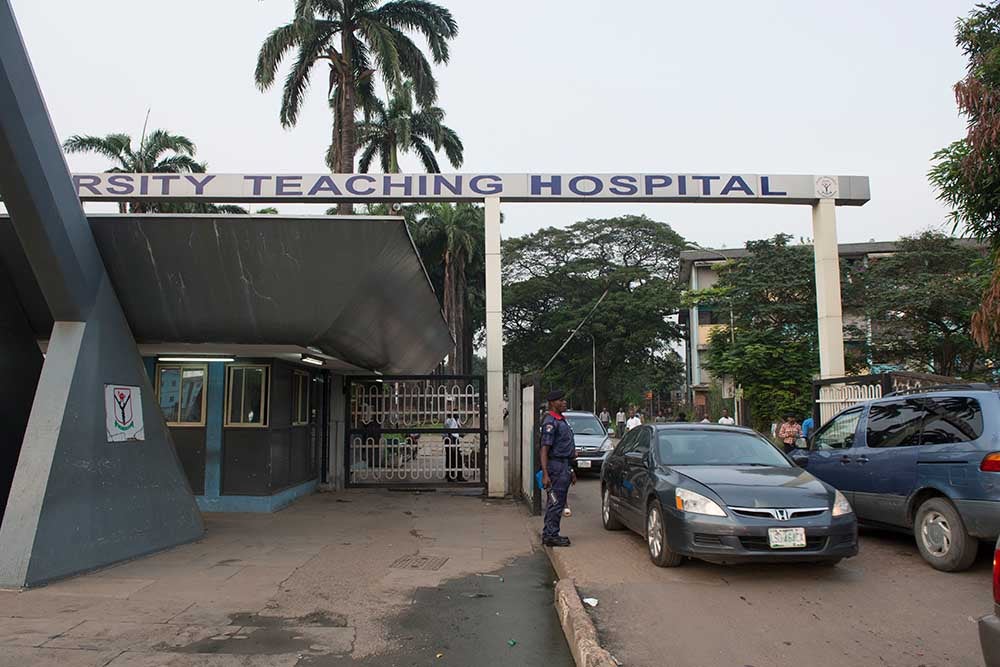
x=181 y=392
x=300 y=398
x=246 y=395
x=707 y=315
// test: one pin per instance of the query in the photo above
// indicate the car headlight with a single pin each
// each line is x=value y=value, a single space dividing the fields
x=840 y=505
x=695 y=503
x=606 y=445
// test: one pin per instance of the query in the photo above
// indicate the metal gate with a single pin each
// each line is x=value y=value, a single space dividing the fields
x=416 y=430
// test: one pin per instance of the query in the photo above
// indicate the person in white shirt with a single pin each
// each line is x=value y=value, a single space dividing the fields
x=605 y=418
x=726 y=419
x=706 y=420
x=634 y=420
x=620 y=423
x=454 y=471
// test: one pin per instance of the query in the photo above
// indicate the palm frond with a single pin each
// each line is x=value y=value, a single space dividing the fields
x=297 y=81
x=176 y=164
x=435 y=22
x=452 y=145
x=382 y=42
x=114 y=146
x=415 y=67
x=426 y=155
x=364 y=163
x=159 y=142
x=273 y=51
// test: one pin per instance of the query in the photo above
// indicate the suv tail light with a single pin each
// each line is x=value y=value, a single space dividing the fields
x=991 y=463
x=996 y=576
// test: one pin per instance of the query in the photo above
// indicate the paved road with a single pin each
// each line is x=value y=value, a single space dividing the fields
x=884 y=607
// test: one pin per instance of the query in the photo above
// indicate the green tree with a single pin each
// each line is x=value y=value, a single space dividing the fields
x=355 y=38
x=452 y=236
x=772 y=292
x=552 y=281
x=920 y=302
x=398 y=128
x=160 y=152
x=966 y=173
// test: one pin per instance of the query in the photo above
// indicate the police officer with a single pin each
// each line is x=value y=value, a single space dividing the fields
x=558 y=454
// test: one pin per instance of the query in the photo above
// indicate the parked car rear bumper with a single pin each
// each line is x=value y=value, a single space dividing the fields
x=981 y=517
x=727 y=540
x=989 y=637
x=596 y=461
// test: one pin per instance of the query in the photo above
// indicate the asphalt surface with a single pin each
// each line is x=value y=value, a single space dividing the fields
x=883 y=607
x=502 y=618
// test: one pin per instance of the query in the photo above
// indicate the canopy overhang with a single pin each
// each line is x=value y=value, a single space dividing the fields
x=351 y=288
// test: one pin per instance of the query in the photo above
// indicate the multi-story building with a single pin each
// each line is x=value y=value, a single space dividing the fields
x=699 y=271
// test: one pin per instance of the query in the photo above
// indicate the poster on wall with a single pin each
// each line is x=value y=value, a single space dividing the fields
x=123 y=413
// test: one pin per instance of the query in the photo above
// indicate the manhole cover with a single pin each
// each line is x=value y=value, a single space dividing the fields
x=415 y=562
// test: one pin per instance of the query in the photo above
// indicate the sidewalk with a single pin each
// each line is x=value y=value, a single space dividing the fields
x=338 y=578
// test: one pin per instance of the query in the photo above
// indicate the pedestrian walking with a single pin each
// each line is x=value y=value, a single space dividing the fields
x=620 y=423
x=558 y=454
x=789 y=432
x=605 y=418
x=726 y=419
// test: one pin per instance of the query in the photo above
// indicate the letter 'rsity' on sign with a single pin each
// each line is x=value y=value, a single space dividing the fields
x=624 y=187
x=123 y=413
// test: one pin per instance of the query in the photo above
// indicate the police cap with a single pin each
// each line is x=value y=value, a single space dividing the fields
x=555 y=395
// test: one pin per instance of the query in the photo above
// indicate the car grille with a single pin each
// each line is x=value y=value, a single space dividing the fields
x=706 y=540
x=775 y=513
x=762 y=544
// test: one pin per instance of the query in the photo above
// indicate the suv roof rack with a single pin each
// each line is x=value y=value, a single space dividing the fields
x=967 y=386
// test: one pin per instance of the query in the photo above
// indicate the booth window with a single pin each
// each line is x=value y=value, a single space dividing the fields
x=246 y=395
x=181 y=392
x=300 y=398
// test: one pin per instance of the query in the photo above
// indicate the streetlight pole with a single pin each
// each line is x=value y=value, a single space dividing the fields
x=593 y=381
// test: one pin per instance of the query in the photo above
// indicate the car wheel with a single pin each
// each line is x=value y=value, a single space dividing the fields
x=656 y=538
x=942 y=538
x=608 y=517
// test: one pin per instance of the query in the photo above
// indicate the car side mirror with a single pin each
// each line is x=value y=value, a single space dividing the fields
x=849 y=440
x=801 y=443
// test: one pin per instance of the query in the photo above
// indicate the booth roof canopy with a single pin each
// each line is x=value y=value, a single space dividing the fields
x=352 y=287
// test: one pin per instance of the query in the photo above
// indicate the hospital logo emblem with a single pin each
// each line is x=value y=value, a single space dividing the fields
x=123 y=413
x=827 y=187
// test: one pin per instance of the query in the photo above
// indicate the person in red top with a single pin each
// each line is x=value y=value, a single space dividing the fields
x=789 y=432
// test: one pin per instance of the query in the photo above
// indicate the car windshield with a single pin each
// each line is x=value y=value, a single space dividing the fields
x=584 y=424
x=717 y=448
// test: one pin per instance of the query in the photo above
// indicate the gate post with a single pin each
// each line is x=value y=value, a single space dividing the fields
x=828 y=307
x=497 y=476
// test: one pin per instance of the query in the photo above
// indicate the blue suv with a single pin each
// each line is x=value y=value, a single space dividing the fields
x=928 y=462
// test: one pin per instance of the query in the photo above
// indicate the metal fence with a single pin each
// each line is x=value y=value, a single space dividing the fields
x=834 y=395
x=416 y=431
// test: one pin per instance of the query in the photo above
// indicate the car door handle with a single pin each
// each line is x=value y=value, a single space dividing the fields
x=862 y=459
x=845 y=459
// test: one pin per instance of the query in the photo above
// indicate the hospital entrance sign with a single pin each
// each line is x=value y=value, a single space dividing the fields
x=624 y=187
x=823 y=193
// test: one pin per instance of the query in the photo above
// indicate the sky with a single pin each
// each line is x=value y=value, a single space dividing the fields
x=772 y=86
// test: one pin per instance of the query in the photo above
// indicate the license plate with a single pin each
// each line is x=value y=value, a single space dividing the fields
x=786 y=538
x=580 y=463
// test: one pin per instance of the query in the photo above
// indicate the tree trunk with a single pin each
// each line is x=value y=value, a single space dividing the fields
x=449 y=308
x=348 y=129
x=459 y=327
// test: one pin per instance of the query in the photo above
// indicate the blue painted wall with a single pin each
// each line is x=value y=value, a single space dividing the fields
x=213 y=500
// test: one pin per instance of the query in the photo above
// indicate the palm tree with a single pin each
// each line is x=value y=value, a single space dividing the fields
x=451 y=234
x=396 y=128
x=354 y=37
x=159 y=153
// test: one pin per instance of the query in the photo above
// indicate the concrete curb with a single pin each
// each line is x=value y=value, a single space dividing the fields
x=581 y=635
